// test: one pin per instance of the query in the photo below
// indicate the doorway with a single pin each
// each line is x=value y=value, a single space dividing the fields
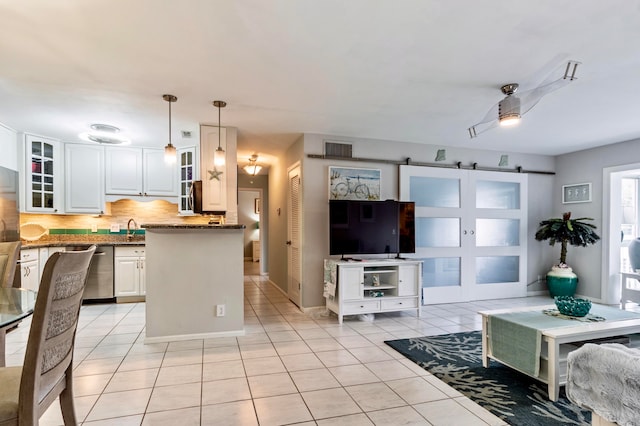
x=249 y=208
x=621 y=186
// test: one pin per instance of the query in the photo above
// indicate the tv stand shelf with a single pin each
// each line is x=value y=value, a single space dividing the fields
x=374 y=286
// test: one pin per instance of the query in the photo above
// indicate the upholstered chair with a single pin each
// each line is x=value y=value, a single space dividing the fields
x=26 y=392
x=9 y=253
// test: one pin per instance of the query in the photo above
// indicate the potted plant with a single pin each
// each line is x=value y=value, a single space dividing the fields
x=561 y=280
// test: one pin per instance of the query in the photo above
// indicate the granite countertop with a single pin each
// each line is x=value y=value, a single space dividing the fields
x=68 y=240
x=189 y=226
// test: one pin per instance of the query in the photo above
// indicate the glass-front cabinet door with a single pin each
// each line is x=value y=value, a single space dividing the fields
x=43 y=186
x=187 y=164
x=469 y=229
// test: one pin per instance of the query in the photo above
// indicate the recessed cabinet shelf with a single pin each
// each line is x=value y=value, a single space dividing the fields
x=374 y=286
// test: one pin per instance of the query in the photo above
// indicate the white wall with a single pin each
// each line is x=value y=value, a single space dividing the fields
x=315 y=199
x=278 y=182
x=8 y=147
x=587 y=166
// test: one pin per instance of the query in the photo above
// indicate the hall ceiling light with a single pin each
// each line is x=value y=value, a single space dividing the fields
x=219 y=156
x=169 y=150
x=252 y=168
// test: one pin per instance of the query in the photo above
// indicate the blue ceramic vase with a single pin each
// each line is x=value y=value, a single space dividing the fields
x=634 y=254
x=561 y=282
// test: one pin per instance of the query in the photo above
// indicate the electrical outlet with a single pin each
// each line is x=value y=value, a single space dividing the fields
x=94 y=228
x=220 y=309
x=115 y=227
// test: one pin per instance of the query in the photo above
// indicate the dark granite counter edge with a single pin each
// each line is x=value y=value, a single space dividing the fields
x=40 y=244
x=189 y=226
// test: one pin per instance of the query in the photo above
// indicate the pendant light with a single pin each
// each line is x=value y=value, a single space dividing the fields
x=169 y=150
x=219 y=156
x=252 y=168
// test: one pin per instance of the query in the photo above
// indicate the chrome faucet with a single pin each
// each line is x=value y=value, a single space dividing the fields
x=130 y=234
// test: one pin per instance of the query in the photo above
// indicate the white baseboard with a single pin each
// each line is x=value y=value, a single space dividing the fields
x=180 y=337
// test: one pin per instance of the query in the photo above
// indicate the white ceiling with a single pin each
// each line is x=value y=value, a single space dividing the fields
x=411 y=70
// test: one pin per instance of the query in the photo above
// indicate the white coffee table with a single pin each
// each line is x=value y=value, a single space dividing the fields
x=555 y=372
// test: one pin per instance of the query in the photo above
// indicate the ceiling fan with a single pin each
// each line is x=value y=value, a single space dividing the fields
x=508 y=111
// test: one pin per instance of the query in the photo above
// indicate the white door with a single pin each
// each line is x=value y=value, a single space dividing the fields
x=294 y=261
x=470 y=232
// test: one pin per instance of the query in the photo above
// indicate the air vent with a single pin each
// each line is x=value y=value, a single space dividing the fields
x=335 y=149
x=186 y=134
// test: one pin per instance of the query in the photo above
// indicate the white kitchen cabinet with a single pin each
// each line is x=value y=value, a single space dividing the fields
x=29 y=269
x=129 y=271
x=84 y=178
x=215 y=179
x=159 y=178
x=374 y=286
x=43 y=175
x=139 y=171
x=123 y=170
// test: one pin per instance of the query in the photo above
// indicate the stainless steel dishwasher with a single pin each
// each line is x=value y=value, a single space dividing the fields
x=100 y=280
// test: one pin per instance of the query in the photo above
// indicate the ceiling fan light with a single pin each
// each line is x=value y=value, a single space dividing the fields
x=509 y=119
x=509 y=111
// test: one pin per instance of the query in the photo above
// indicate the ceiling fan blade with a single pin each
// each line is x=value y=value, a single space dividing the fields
x=489 y=121
x=529 y=98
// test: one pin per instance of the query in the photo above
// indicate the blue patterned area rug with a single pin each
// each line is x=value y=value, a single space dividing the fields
x=456 y=359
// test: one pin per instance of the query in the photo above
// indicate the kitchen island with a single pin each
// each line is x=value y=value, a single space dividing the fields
x=195 y=281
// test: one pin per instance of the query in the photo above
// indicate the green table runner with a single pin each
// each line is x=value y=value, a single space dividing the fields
x=515 y=338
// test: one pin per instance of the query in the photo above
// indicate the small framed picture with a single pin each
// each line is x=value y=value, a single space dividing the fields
x=257 y=205
x=576 y=193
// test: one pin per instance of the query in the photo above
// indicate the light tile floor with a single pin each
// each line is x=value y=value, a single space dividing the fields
x=289 y=368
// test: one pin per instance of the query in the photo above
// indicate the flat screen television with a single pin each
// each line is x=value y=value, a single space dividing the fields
x=371 y=227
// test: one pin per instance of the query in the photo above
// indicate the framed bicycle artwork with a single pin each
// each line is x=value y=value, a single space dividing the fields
x=348 y=183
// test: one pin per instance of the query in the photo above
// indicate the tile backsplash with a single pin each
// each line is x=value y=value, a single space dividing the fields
x=157 y=211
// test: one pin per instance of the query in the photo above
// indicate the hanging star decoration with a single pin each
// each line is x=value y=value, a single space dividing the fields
x=214 y=174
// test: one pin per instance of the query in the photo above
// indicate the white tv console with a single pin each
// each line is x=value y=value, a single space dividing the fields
x=372 y=286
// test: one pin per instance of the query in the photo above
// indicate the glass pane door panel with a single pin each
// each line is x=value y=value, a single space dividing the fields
x=48 y=200
x=36 y=148
x=48 y=150
x=437 y=232
x=36 y=199
x=497 y=195
x=48 y=167
x=434 y=192
x=497 y=232
x=441 y=272
x=497 y=269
